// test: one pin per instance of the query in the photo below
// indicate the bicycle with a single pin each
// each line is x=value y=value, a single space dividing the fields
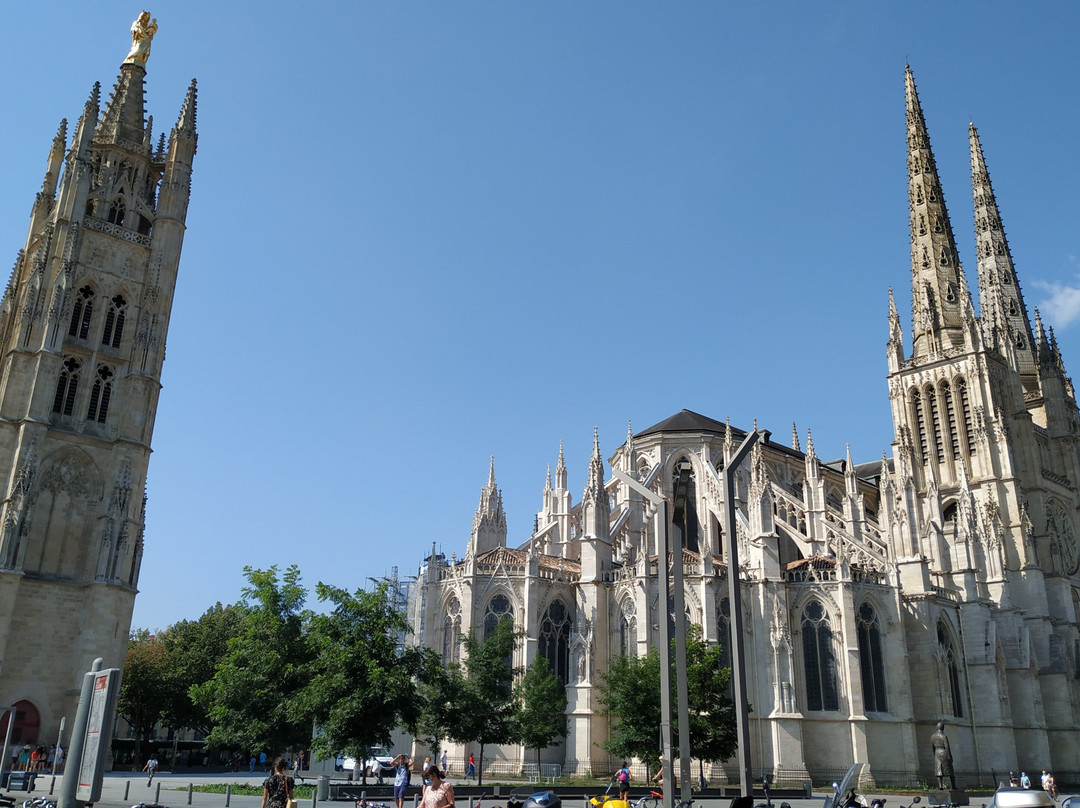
x=650 y=800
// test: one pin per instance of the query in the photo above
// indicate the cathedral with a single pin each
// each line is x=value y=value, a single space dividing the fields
x=82 y=340
x=936 y=584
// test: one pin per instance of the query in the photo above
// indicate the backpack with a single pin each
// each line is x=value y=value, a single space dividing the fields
x=623 y=775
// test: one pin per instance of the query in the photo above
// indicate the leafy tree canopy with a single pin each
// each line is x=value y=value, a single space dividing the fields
x=195 y=648
x=145 y=667
x=255 y=697
x=630 y=692
x=541 y=720
x=363 y=682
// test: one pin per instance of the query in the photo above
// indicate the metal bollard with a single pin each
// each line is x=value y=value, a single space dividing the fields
x=314 y=797
x=228 y=794
x=52 y=784
x=157 y=793
x=190 y=788
x=127 y=787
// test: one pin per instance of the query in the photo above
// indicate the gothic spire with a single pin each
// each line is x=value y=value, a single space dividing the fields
x=489 y=522
x=795 y=437
x=560 y=470
x=1000 y=298
x=935 y=264
x=124 y=121
x=185 y=124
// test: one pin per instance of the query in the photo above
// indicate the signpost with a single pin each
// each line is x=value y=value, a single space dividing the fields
x=90 y=736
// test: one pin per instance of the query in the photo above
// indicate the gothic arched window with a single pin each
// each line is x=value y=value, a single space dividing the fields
x=66 y=386
x=554 y=639
x=871 y=663
x=452 y=632
x=691 y=525
x=81 y=313
x=822 y=692
x=100 y=395
x=723 y=629
x=498 y=608
x=117 y=211
x=628 y=629
x=951 y=698
x=114 y=322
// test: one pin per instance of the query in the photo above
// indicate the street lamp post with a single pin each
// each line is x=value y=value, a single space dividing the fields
x=738 y=647
x=7 y=742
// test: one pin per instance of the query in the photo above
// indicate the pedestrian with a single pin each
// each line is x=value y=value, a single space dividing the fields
x=424 y=768
x=251 y=765
x=402 y=763
x=262 y=761
x=150 y=768
x=471 y=771
x=1051 y=786
x=1014 y=781
x=445 y=768
x=278 y=787
x=59 y=759
x=1025 y=781
x=298 y=766
x=440 y=794
x=623 y=776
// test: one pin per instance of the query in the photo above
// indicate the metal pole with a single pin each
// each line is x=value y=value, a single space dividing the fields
x=59 y=738
x=662 y=551
x=738 y=650
x=682 y=701
x=662 y=548
x=7 y=741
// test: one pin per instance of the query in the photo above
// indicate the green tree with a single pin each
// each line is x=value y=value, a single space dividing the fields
x=140 y=701
x=475 y=702
x=361 y=683
x=630 y=693
x=195 y=648
x=542 y=717
x=255 y=697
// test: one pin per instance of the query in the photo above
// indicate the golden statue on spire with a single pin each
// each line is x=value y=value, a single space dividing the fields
x=142 y=33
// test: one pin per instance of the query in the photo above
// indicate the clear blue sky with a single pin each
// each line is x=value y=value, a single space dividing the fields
x=423 y=233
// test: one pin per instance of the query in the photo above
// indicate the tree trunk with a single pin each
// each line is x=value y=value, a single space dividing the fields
x=480 y=770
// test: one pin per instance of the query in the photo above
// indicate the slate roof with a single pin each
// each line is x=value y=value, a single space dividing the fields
x=690 y=421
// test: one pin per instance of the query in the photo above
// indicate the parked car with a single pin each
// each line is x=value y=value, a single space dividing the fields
x=1010 y=797
x=377 y=760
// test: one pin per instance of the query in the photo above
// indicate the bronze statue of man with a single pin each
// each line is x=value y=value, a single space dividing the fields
x=943 y=767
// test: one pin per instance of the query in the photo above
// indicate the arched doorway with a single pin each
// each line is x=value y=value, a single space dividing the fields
x=27 y=723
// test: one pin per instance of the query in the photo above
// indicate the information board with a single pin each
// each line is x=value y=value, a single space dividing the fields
x=98 y=730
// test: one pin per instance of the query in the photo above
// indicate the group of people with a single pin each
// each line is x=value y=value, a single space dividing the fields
x=37 y=758
x=278 y=788
x=1046 y=782
x=622 y=777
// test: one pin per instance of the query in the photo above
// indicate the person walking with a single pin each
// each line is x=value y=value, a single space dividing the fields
x=471 y=771
x=623 y=776
x=150 y=768
x=440 y=794
x=402 y=763
x=1025 y=781
x=445 y=769
x=278 y=787
x=298 y=766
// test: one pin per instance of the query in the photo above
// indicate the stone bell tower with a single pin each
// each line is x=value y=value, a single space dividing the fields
x=82 y=340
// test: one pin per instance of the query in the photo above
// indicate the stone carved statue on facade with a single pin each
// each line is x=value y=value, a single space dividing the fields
x=142 y=34
x=943 y=763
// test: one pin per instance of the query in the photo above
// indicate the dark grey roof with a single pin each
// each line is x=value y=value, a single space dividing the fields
x=689 y=421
